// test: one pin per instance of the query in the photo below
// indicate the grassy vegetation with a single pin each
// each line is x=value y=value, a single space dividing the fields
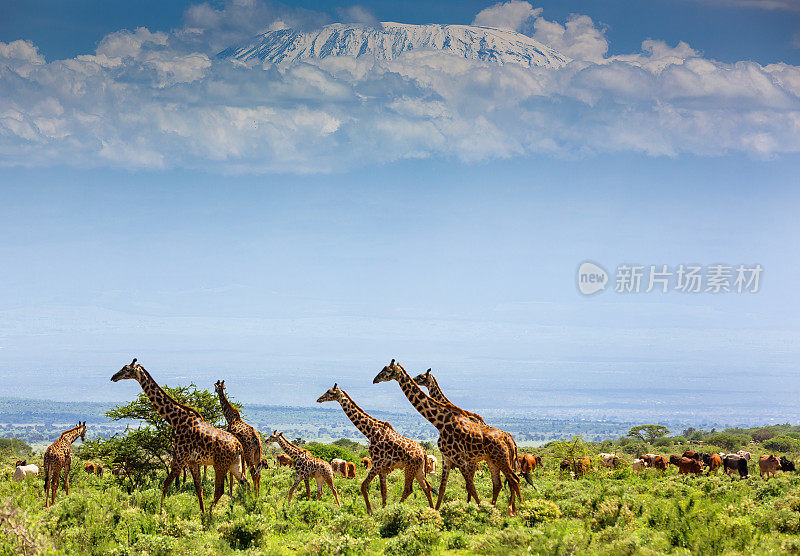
x=607 y=512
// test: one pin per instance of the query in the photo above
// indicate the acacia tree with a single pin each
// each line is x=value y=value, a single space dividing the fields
x=142 y=450
x=648 y=433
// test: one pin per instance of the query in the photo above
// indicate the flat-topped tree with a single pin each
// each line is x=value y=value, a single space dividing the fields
x=195 y=442
x=247 y=435
x=427 y=380
x=306 y=466
x=58 y=456
x=388 y=450
x=463 y=441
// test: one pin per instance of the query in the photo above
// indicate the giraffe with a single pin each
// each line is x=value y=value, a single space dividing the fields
x=58 y=456
x=463 y=441
x=247 y=435
x=195 y=442
x=306 y=466
x=388 y=450
x=427 y=380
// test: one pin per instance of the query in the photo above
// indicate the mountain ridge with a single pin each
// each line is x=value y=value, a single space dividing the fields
x=390 y=40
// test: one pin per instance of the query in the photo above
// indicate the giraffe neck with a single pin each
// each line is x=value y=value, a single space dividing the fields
x=231 y=413
x=427 y=406
x=436 y=392
x=363 y=421
x=71 y=435
x=168 y=408
x=290 y=448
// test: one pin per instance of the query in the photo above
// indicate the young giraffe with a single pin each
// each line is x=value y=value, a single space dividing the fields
x=463 y=441
x=427 y=380
x=195 y=442
x=306 y=466
x=247 y=435
x=58 y=456
x=388 y=450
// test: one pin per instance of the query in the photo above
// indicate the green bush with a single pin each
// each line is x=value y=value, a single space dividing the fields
x=534 y=512
x=727 y=441
x=782 y=444
x=471 y=518
x=245 y=531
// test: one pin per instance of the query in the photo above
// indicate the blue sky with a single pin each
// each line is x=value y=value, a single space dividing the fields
x=439 y=221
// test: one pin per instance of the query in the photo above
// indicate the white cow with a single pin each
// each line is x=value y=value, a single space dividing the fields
x=608 y=460
x=339 y=467
x=430 y=466
x=638 y=465
x=743 y=454
x=23 y=471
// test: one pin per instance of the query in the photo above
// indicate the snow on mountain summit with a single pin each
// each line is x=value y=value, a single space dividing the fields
x=390 y=40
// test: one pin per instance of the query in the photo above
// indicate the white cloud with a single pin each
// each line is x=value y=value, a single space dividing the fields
x=515 y=15
x=149 y=99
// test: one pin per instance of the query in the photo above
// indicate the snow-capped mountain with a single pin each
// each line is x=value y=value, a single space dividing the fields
x=387 y=41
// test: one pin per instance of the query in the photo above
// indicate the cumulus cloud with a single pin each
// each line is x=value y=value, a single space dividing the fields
x=515 y=15
x=152 y=99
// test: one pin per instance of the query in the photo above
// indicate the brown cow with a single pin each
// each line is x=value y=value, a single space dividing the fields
x=264 y=463
x=689 y=465
x=769 y=465
x=578 y=468
x=660 y=462
x=283 y=459
x=366 y=463
x=350 y=469
x=691 y=454
x=93 y=468
x=712 y=461
x=527 y=463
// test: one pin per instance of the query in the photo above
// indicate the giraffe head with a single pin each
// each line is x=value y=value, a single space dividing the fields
x=424 y=379
x=274 y=436
x=332 y=395
x=219 y=387
x=128 y=371
x=392 y=371
x=82 y=430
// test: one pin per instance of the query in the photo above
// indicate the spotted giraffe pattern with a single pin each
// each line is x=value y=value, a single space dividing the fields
x=463 y=441
x=247 y=435
x=388 y=450
x=58 y=456
x=195 y=442
x=306 y=467
x=427 y=380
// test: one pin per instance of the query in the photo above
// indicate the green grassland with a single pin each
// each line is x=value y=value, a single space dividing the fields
x=606 y=512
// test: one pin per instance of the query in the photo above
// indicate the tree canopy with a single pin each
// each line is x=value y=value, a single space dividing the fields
x=648 y=433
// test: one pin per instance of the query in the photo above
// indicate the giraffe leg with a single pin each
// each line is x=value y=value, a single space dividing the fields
x=384 y=492
x=219 y=486
x=471 y=468
x=320 y=482
x=410 y=470
x=365 y=488
x=469 y=479
x=174 y=472
x=54 y=485
x=198 y=487
x=497 y=484
x=513 y=484
x=294 y=486
x=443 y=482
x=425 y=485
x=230 y=485
x=335 y=492
x=66 y=479
x=256 y=479
x=308 y=489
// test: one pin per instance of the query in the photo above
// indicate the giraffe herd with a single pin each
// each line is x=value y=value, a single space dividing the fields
x=465 y=440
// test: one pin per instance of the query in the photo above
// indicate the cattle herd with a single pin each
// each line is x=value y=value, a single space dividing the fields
x=690 y=462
